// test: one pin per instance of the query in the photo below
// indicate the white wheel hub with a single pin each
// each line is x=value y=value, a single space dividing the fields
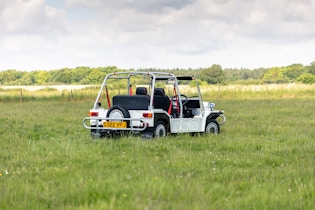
x=116 y=113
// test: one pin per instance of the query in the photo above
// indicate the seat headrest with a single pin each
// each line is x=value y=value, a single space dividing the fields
x=159 y=91
x=141 y=91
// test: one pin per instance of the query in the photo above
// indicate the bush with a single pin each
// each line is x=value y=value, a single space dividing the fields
x=306 y=78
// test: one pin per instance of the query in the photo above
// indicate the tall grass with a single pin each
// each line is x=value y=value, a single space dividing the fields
x=268 y=91
x=214 y=92
x=263 y=159
x=47 y=94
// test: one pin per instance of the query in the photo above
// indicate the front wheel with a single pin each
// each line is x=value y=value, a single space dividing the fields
x=212 y=127
x=160 y=130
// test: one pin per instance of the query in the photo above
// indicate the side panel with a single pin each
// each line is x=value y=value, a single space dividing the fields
x=181 y=125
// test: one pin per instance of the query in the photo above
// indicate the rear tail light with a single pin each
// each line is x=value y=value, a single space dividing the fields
x=93 y=114
x=147 y=115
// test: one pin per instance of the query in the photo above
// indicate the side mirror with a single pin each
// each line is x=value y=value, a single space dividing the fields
x=99 y=104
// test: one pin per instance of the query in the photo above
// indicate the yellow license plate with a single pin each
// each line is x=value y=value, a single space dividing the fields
x=110 y=124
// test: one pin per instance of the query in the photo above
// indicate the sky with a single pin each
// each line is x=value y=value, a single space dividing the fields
x=137 y=34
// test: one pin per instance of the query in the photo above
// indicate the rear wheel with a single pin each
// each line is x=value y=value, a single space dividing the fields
x=160 y=130
x=212 y=127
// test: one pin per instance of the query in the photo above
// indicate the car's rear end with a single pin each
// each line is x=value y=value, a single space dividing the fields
x=117 y=120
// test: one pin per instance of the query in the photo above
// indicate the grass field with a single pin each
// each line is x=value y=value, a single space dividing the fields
x=264 y=158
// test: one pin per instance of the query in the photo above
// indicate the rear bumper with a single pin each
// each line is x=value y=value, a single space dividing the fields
x=96 y=123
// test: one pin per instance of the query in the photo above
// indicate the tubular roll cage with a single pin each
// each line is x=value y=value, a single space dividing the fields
x=154 y=77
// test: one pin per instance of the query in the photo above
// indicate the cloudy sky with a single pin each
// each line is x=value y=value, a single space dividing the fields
x=52 y=34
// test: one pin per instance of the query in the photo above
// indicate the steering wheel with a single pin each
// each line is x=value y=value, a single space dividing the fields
x=183 y=98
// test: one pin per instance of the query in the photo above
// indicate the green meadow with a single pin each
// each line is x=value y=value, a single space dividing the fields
x=264 y=157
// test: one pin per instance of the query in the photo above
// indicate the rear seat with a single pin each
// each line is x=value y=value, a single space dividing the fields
x=141 y=101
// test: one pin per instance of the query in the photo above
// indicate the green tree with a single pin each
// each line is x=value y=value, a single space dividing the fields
x=95 y=77
x=311 y=68
x=41 y=77
x=64 y=76
x=78 y=74
x=274 y=75
x=293 y=71
x=9 y=77
x=232 y=75
x=213 y=75
x=28 y=78
x=306 y=78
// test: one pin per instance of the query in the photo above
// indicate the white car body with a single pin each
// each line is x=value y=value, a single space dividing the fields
x=151 y=113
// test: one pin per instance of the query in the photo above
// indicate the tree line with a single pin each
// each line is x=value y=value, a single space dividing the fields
x=211 y=75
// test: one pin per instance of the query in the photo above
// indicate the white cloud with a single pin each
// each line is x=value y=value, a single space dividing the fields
x=83 y=3
x=156 y=33
x=31 y=16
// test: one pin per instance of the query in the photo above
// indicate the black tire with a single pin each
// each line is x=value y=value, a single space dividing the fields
x=212 y=127
x=118 y=112
x=160 y=130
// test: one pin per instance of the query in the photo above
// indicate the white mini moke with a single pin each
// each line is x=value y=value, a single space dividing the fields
x=152 y=104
